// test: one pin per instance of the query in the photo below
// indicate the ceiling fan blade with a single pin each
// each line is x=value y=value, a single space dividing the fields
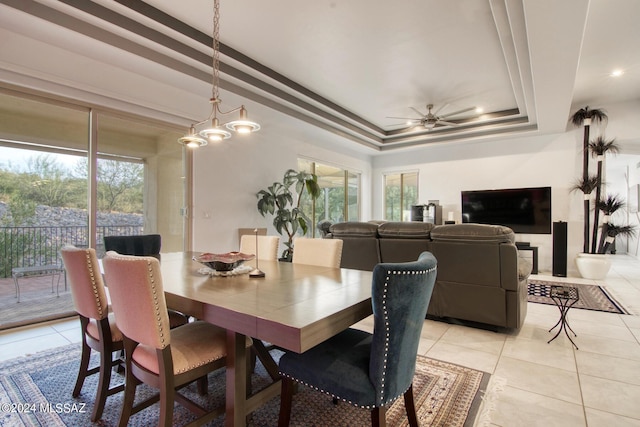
x=444 y=122
x=421 y=114
x=405 y=118
x=444 y=116
x=441 y=108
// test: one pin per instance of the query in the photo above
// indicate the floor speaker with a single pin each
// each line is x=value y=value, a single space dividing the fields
x=560 y=249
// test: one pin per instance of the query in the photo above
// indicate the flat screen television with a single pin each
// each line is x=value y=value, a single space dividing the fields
x=524 y=210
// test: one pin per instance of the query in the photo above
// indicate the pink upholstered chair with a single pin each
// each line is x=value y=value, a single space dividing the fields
x=143 y=245
x=322 y=252
x=162 y=358
x=99 y=330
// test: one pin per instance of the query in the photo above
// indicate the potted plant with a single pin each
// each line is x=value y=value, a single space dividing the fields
x=278 y=200
x=585 y=117
x=591 y=263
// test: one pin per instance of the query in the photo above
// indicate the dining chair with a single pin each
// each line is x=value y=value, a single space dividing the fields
x=98 y=326
x=370 y=370
x=163 y=358
x=267 y=248
x=321 y=252
x=143 y=245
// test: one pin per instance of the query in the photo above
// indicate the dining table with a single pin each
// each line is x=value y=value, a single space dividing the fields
x=294 y=307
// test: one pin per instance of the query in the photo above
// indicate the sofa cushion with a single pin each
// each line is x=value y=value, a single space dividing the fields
x=354 y=229
x=405 y=230
x=473 y=232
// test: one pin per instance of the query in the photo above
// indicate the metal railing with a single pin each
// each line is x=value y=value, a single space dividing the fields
x=31 y=246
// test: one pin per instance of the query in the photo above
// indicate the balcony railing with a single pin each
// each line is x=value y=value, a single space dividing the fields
x=30 y=246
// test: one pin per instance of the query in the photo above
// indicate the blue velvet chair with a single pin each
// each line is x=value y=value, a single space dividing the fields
x=370 y=370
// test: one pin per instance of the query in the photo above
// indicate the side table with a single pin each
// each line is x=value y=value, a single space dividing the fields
x=564 y=297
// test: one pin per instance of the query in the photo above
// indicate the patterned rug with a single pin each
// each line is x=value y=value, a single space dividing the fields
x=40 y=385
x=592 y=297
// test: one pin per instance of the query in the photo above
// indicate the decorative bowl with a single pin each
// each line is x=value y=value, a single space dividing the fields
x=223 y=262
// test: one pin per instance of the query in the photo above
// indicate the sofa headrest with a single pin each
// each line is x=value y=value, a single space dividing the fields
x=354 y=229
x=473 y=232
x=405 y=230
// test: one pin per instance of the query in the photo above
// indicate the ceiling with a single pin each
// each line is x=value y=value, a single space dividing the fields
x=347 y=66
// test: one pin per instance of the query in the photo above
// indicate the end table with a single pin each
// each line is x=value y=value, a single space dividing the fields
x=564 y=297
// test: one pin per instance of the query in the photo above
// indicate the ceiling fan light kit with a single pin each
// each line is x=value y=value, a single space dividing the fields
x=217 y=131
x=430 y=120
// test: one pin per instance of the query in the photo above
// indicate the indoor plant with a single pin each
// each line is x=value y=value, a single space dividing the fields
x=278 y=200
x=585 y=117
x=592 y=263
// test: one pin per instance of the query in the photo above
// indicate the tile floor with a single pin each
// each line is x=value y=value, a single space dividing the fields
x=540 y=384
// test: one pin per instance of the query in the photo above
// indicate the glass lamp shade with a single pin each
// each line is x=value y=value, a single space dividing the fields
x=429 y=125
x=215 y=134
x=243 y=125
x=192 y=140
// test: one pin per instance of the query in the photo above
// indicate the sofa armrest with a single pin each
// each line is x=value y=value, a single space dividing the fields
x=524 y=268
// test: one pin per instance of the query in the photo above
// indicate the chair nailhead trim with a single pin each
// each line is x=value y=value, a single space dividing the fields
x=94 y=287
x=197 y=365
x=386 y=322
x=154 y=291
x=387 y=327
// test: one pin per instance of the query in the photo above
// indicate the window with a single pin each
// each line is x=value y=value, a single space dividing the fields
x=62 y=184
x=400 y=193
x=339 y=199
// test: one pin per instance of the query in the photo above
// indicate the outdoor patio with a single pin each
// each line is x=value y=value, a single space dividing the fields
x=37 y=302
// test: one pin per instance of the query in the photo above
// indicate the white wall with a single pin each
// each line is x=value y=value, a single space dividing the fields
x=228 y=175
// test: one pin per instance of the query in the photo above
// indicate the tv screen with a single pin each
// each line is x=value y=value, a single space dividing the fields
x=524 y=210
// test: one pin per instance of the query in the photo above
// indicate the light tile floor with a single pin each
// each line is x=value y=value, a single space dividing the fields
x=540 y=384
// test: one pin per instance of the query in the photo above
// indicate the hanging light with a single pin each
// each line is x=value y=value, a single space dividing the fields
x=192 y=139
x=216 y=132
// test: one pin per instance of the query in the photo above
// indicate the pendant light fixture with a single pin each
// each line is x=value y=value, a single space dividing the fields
x=217 y=132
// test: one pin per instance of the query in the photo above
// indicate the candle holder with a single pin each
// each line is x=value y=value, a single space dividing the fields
x=256 y=272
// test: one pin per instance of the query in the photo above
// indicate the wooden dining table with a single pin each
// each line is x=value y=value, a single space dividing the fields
x=295 y=307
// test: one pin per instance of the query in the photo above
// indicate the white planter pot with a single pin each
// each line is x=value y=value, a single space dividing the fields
x=593 y=266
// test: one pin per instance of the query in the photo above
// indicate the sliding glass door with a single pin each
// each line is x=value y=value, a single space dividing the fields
x=71 y=175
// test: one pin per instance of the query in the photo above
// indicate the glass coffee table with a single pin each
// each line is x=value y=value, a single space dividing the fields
x=564 y=297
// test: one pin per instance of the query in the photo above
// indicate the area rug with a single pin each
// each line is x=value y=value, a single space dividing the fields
x=36 y=391
x=592 y=297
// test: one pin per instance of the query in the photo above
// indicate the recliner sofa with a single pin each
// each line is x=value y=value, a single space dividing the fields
x=480 y=277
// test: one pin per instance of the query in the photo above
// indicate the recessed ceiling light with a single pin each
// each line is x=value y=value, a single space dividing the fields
x=617 y=73
x=479 y=110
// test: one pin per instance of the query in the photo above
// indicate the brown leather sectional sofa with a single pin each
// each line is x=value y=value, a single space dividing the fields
x=480 y=278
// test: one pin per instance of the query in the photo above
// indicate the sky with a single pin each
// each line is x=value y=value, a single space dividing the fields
x=18 y=158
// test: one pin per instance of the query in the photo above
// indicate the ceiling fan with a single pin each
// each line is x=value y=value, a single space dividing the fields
x=430 y=120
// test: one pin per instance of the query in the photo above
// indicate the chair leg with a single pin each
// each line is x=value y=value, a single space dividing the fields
x=103 y=383
x=167 y=399
x=409 y=404
x=85 y=357
x=129 y=395
x=84 y=367
x=286 y=399
x=203 y=385
x=379 y=417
